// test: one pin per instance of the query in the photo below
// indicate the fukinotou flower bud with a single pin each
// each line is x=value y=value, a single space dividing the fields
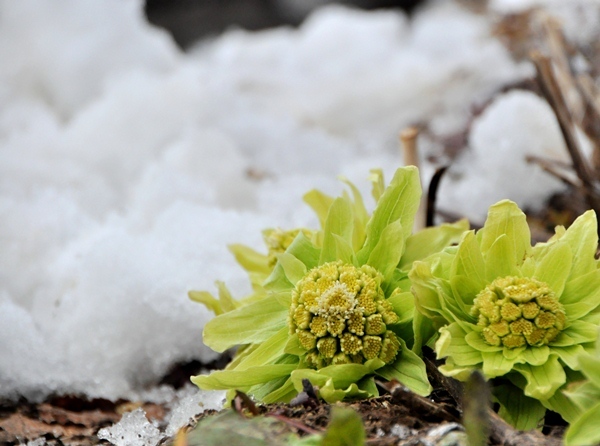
x=340 y=315
x=518 y=312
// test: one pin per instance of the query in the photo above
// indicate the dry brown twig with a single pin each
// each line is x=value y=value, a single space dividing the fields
x=554 y=96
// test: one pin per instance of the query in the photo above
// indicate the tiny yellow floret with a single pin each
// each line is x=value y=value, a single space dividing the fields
x=518 y=311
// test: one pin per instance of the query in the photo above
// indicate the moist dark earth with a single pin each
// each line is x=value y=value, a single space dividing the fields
x=396 y=417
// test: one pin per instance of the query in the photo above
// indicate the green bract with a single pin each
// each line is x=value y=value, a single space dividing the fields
x=336 y=307
x=586 y=396
x=519 y=313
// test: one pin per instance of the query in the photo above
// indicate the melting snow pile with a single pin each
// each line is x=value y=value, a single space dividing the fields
x=126 y=166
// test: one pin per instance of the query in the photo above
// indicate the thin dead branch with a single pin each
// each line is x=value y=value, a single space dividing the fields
x=554 y=96
x=551 y=167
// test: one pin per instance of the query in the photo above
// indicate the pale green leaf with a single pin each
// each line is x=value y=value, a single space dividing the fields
x=520 y=411
x=403 y=305
x=430 y=298
x=293 y=346
x=584 y=430
x=513 y=353
x=581 y=295
x=242 y=379
x=582 y=237
x=555 y=266
x=475 y=340
x=467 y=272
x=429 y=241
x=408 y=369
x=344 y=251
x=250 y=259
x=499 y=259
x=283 y=297
x=586 y=331
x=294 y=269
x=570 y=355
x=367 y=384
x=452 y=343
x=206 y=299
x=280 y=392
x=505 y=218
x=536 y=355
x=304 y=250
x=544 y=380
x=340 y=221
x=378 y=184
x=529 y=265
x=578 y=332
x=562 y=405
x=341 y=375
x=320 y=203
x=496 y=364
x=332 y=394
x=252 y=323
x=277 y=280
x=424 y=332
x=361 y=216
x=228 y=303
x=266 y=352
x=400 y=201
x=590 y=366
x=388 y=251
x=583 y=394
x=460 y=373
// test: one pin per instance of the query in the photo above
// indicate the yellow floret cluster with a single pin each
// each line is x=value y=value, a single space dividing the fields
x=518 y=312
x=341 y=315
x=278 y=240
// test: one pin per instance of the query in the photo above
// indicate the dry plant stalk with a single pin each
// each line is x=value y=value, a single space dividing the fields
x=408 y=140
x=551 y=90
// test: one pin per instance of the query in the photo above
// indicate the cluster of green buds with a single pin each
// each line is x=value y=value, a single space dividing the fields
x=278 y=240
x=518 y=311
x=340 y=315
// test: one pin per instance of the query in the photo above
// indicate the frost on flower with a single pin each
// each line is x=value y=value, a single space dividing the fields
x=335 y=307
x=521 y=314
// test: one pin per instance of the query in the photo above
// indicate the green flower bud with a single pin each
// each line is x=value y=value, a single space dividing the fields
x=340 y=315
x=278 y=240
x=517 y=311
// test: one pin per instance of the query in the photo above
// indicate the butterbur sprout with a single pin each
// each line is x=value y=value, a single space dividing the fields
x=335 y=308
x=340 y=314
x=518 y=313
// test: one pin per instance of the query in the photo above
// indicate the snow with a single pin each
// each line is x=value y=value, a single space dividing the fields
x=189 y=407
x=492 y=148
x=134 y=429
x=127 y=166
